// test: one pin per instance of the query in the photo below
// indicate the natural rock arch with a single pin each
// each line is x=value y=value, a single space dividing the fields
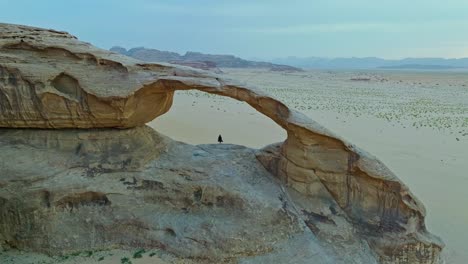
x=119 y=92
x=311 y=153
x=312 y=159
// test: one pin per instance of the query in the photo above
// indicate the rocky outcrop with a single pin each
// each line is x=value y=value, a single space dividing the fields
x=149 y=55
x=80 y=190
x=203 y=65
x=224 y=61
x=49 y=79
x=341 y=194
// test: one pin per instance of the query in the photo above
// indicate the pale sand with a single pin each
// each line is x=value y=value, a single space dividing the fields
x=411 y=127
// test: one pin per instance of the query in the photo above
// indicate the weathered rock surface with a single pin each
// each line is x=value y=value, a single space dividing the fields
x=344 y=196
x=72 y=190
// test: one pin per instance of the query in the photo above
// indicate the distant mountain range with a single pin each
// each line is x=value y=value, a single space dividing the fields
x=373 y=63
x=199 y=60
x=214 y=62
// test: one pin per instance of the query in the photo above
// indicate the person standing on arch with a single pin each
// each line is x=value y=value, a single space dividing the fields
x=220 y=139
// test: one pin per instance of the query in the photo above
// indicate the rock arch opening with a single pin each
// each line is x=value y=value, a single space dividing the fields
x=198 y=118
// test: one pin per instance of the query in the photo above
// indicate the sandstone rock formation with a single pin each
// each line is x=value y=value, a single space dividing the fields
x=97 y=189
x=331 y=201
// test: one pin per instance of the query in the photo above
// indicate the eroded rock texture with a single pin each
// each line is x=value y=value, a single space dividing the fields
x=48 y=79
x=71 y=190
x=52 y=80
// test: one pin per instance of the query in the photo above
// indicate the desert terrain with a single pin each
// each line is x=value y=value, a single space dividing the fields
x=415 y=122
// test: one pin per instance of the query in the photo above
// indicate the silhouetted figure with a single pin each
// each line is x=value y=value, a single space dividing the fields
x=220 y=139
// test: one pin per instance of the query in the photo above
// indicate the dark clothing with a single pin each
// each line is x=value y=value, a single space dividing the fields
x=220 y=139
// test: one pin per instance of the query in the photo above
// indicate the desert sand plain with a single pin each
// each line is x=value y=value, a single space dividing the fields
x=415 y=122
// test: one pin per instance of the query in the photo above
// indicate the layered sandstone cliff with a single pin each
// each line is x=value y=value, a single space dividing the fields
x=330 y=195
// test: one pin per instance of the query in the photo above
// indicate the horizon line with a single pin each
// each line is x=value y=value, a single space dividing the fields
x=292 y=56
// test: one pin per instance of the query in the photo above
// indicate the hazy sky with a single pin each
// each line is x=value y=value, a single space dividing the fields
x=261 y=29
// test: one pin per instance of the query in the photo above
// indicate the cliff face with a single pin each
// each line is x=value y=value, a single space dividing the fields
x=340 y=204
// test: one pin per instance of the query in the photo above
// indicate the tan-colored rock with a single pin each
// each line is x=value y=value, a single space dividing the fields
x=49 y=79
x=80 y=190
